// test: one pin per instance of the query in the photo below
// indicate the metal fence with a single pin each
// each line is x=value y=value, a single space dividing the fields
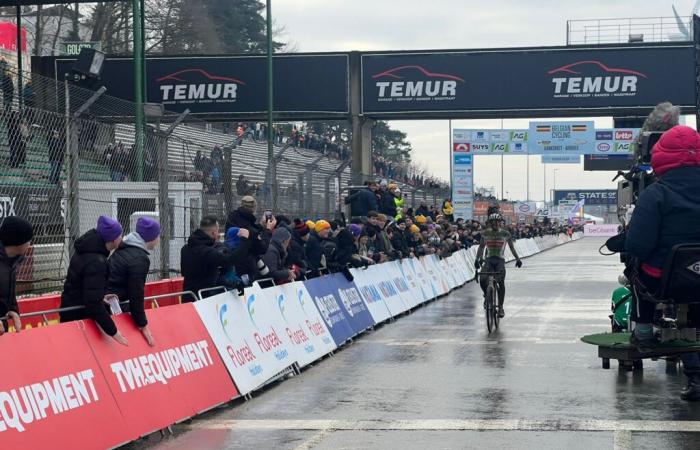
x=69 y=154
x=629 y=30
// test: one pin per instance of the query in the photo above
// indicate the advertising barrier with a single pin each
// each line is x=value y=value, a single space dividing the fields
x=371 y=294
x=249 y=345
x=183 y=368
x=81 y=389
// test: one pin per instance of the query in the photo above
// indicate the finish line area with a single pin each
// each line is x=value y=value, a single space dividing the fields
x=437 y=379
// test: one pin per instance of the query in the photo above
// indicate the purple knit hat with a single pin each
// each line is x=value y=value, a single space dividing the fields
x=109 y=229
x=355 y=229
x=148 y=229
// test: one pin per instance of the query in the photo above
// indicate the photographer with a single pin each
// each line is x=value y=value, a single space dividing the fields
x=250 y=262
x=666 y=214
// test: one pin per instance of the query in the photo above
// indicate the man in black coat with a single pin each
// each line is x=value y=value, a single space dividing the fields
x=398 y=238
x=315 y=244
x=15 y=237
x=128 y=270
x=86 y=281
x=363 y=201
x=296 y=253
x=244 y=217
x=203 y=256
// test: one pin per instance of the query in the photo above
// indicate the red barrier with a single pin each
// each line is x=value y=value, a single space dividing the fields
x=53 y=393
x=157 y=386
x=80 y=389
x=36 y=304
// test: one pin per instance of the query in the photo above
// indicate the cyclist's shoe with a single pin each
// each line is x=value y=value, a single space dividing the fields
x=644 y=345
x=501 y=312
x=691 y=392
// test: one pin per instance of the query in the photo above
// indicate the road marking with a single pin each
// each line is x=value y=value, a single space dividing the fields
x=460 y=341
x=455 y=425
x=313 y=441
x=622 y=440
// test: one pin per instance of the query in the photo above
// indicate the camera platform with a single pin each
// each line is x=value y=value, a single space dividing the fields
x=617 y=346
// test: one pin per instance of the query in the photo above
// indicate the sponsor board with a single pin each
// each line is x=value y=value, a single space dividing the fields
x=249 y=345
x=604 y=230
x=591 y=197
x=574 y=137
x=561 y=159
x=371 y=294
x=183 y=367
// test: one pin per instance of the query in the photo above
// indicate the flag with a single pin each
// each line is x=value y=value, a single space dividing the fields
x=576 y=208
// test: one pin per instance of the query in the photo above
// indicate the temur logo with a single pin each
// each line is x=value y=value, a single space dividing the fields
x=583 y=79
x=198 y=86
x=415 y=83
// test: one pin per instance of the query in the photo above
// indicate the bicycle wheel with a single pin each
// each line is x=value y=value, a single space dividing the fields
x=489 y=307
x=496 y=319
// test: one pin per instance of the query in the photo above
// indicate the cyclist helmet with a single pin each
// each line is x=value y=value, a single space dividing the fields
x=495 y=217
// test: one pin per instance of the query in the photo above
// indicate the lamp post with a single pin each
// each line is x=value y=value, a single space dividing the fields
x=555 y=185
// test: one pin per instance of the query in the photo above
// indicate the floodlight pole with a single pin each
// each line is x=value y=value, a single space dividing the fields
x=138 y=88
x=271 y=160
x=19 y=57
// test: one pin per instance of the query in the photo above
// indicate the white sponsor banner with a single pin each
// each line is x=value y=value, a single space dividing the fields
x=527 y=208
x=249 y=345
x=392 y=297
x=371 y=294
x=408 y=268
x=395 y=273
x=604 y=230
x=305 y=334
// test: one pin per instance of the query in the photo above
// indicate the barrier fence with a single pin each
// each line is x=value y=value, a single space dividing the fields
x=69 y=153
x=82 y=389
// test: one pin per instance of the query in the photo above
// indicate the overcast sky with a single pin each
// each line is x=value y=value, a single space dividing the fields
x=343 y=25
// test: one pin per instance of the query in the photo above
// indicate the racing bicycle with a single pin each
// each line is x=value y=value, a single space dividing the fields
x=491 y=300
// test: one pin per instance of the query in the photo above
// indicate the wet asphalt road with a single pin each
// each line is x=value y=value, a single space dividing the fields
x=436 y=379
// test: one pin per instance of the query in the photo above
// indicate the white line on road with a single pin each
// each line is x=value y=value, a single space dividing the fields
x=622 y=440
x=454 y=425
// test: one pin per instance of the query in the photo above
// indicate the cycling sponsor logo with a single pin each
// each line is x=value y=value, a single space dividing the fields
x=198 y=86
x=415 y=83
x=603 y=135
x=603 y=147
x=462 y=148
x=584 y=79
x=624 y=135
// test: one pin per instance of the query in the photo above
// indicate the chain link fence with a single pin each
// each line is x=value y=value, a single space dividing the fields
x=69 y=154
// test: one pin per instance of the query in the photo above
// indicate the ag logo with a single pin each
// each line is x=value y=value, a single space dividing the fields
x=518 y=136
x=623 y=146
x=499 y=147
x=695 y=267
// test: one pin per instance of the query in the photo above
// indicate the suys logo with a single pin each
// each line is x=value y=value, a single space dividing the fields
x=592 y=78
x=413 y=82
x=251 y=309
x=198 y=86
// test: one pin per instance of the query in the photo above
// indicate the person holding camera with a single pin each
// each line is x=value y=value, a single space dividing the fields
x=250 y=263
x=667 y=214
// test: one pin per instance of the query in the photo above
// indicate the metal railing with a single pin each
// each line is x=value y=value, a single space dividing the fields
x=629 y=30
x=153 y=299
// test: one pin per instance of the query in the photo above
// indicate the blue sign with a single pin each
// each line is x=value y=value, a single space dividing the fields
x=561 y=138
x=463 y=159
x=592 y=197
x=341 y=306
x=561 y=159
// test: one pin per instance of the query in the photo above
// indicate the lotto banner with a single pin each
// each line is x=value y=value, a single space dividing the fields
x=181 y=376
x=249 y=345
x=306 y=336
x=371 y=294
x=53 y=393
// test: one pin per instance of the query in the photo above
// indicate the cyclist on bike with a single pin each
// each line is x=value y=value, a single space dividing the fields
x=494 y=240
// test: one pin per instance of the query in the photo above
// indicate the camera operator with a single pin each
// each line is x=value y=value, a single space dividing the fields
x=666 y=214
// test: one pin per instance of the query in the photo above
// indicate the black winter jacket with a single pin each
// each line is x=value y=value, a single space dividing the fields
x=296 y=253
x=667 y=214
x=128 y=269
x=275 y=261
x=246 y=263
x=362 y=202
x=8 y=282
x=387 y=205
x=86 y=283
x=201 y=259
x=398 y=240
x=314 y=251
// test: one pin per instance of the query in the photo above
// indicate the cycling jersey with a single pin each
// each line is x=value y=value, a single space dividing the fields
x=495 y=242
